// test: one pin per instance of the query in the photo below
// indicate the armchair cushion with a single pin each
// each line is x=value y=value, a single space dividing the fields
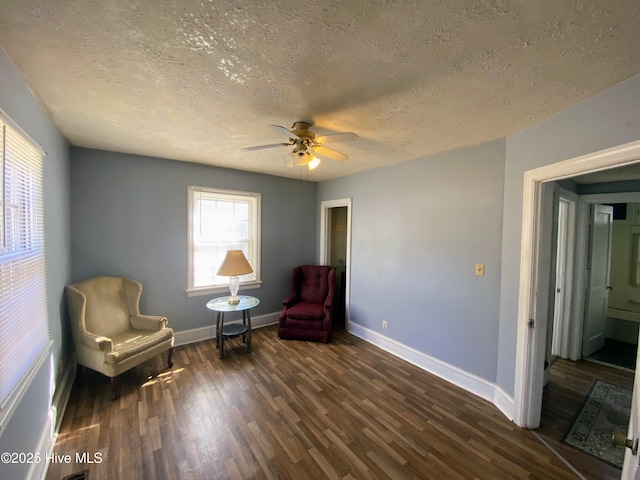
x=132 y=342
x=307 y=311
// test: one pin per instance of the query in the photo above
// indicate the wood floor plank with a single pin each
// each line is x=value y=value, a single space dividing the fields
x=301 y=410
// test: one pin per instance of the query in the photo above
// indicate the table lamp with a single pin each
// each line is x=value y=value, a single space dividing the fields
x=234 y=264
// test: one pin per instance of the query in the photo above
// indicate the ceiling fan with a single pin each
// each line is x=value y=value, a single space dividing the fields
x=307 y=148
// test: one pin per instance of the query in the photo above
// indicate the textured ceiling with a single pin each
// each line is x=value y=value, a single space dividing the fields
x=198 y=80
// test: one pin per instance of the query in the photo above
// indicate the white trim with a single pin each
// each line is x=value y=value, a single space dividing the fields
x=7 y=119
x=454 y=375
x=9 y=406
x=193 y=335
x=255 y=244
x=61 y=396
x=325 y=212
x=529 y=360
x=504 y=402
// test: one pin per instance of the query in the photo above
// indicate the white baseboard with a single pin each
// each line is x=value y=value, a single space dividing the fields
x=504 y=402
x=62 y=394
x=461 y=378
x=193 y=335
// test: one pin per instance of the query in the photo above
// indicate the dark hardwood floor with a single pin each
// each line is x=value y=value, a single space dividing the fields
x=296 y=410
x=563 y=398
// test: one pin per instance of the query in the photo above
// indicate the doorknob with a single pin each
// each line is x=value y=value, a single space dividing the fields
x=609 y=287
x=621 y=440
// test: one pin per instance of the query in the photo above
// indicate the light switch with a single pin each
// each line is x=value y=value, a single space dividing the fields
x=480 y=269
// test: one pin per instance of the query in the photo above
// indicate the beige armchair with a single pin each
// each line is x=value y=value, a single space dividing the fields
x=109 y=333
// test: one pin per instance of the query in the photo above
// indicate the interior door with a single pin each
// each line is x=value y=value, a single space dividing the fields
x=598 y=292
x=562 y=311
x=338 y=260
x=560 y=296
x=630 y=469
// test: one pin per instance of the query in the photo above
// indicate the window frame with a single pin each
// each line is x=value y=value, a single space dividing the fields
x=255 y=216
x=24 y=252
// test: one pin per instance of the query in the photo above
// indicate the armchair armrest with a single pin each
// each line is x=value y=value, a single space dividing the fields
x=96 y=342
x=328 y=302
x=104 y=344
x=152 y=323
x=290 y=300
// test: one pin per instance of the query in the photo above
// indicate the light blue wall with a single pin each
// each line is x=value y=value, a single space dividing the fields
x=130 y=218
x=29 y=422
x=418 y=229
x=608 y=119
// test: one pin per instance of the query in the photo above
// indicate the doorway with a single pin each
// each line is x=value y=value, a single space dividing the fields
x=592 y=351
x=622 y=317
x=535 y=273
x=335 y=250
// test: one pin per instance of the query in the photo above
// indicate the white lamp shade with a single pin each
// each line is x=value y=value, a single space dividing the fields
x=234 y=263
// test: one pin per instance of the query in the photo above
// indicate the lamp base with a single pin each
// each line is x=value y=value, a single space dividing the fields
x=233 y=300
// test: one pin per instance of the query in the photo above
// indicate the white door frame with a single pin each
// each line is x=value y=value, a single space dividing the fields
x=531 y=341
x=325 y=245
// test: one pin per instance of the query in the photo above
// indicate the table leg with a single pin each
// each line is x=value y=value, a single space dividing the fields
x=221 y=335
x=217 y=314
x=249 y=331
x=244 y=322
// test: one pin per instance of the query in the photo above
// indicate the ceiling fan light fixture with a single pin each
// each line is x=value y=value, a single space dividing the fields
x=313 y=163
x=307 y=148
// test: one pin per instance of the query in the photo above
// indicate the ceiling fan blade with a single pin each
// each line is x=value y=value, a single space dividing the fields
x=337 y=137
x=260 y=147
x=284 y=131
x=324 y=153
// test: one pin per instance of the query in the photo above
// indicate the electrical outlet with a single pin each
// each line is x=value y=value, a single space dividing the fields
x=480 y=269
x=384 y=324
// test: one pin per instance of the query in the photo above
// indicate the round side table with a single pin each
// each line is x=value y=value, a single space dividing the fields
x=224 y=332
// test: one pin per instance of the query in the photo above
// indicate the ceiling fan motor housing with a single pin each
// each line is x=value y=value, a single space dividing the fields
x=300 y=150
x=301 y=130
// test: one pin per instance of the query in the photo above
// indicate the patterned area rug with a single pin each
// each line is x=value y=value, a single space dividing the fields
x=605 y=411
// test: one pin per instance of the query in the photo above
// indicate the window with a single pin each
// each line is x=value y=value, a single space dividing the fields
x=24 y=326
x=221 y=220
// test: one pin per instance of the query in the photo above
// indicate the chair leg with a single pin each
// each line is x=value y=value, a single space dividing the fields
x=114 y=388
x=169 y=360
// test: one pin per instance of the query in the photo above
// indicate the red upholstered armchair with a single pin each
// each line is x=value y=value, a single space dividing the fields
x=307 y=311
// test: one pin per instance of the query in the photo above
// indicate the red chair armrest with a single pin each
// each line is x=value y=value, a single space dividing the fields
x=290 y=300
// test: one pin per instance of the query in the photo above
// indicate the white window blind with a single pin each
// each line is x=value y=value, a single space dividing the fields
x=221 y=220
x=24 y=327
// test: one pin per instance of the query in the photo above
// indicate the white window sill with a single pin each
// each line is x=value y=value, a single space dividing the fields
x=221 y=289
